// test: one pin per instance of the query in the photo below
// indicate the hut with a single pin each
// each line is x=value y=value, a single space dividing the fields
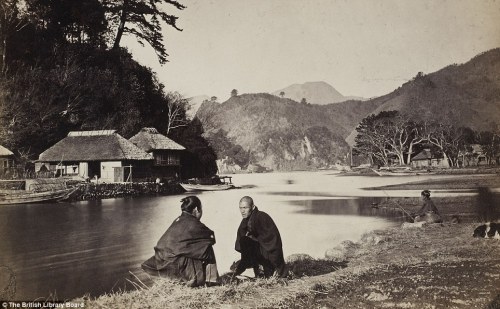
x=165 y=152
x=102 y=154
x=6 y=161
x=426 y=159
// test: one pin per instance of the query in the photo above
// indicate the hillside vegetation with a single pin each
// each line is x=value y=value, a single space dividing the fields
x=461 y=95
x=278 y=133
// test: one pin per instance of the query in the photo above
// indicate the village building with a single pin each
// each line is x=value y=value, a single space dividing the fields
x=427 y=159
x=103 y=155
x=6 y=161
x=477 y=155
x=165 y=152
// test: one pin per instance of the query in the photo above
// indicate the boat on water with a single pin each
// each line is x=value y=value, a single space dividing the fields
x=216 y=183
x=394 y=173
x=401 y=172
x=33 y=191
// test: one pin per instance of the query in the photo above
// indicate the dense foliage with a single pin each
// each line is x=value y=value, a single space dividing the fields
x=392 y=137
x=63 y=69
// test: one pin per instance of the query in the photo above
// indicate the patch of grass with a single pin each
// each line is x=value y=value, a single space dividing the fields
x=314 y=267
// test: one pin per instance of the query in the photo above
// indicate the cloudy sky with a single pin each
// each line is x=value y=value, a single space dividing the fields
x=361 y=47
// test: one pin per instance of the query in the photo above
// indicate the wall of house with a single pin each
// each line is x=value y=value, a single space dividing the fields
x=420 y=163
x=440 y=163
x=6 y=166
x=108 y=171
x=83 y=170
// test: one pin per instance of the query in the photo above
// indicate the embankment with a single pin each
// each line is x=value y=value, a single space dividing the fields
x=93 y=191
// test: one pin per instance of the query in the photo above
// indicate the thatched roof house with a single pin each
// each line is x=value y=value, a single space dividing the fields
x=102 y=145
x=149 y=139
x=166 y=152
x=4 y=152
x=426 y=158
x=6 y=161
x=102 y=154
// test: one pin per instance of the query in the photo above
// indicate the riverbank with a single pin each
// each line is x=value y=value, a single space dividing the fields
x=93 y=191
x=435 y=266
x=481 y=170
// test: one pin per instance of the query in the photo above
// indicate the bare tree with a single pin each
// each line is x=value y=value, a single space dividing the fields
x=447 y=138
x=177 y=107
x=282 y=94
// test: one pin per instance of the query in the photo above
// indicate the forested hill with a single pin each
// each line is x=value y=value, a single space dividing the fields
x=62 y=69
x=463 y=95
x=280 y=133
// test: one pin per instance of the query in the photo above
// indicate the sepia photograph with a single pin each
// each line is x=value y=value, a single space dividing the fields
x=250 y=154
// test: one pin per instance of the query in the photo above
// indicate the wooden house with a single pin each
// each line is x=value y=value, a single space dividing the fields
x=102 y=154
x=426 y=159
x=165 y=152
x=6 y=161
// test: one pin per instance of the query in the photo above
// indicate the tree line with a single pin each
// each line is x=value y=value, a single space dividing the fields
x=63 y=68
x=393 y=136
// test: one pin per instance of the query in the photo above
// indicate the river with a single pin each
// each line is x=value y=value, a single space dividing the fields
x=67 y=250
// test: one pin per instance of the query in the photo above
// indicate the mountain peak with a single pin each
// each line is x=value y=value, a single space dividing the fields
x=318 y=92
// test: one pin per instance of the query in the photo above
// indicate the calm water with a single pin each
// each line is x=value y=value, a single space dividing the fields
x=68 y=250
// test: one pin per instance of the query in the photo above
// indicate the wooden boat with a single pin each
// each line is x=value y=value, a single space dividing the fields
x=34 y=191
x=216 y=183
x=394 y=173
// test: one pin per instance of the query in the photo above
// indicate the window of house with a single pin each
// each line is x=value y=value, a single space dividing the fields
x=167 y=159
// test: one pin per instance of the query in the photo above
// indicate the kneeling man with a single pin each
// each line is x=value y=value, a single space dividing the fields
x=185 y=250
x=259 y=242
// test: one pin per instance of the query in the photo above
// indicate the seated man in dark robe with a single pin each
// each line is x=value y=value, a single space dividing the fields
x=259 y=242
x=185 y=250
x=428 y=212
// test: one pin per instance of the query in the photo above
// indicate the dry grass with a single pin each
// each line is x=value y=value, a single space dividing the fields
x=436 y=266
x=390 y=272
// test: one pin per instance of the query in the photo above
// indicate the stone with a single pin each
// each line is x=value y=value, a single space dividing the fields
x=372 y=238
x=298 y=257
x=408 y=225
x=337 y=254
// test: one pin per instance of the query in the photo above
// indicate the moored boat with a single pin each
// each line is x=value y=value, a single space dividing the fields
x=394 y=173
x=34 y=191
x=216 y=183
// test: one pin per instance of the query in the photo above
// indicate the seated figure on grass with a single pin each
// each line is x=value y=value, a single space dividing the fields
x=428 y=212
x=259 y=242
x=185 y=251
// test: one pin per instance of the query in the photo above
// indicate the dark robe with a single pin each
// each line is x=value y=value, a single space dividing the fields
x=428 y=213
x=428 y=206
x=259 y=242
x=185 y=252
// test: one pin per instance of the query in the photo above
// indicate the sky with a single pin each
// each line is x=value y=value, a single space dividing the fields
x=361 y=47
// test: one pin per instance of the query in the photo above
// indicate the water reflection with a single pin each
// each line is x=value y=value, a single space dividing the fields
x=89 y=247
x=363 y=206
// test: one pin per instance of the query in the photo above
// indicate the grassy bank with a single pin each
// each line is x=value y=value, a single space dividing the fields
x=435 y=266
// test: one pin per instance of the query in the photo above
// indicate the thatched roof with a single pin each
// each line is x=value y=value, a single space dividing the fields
x=425 y=154
x=5 y=152
x=104 y=145
x=150 y=139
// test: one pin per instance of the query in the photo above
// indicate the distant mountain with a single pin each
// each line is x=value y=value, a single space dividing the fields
x=462 y=95
x=314 y=92
x=282 y=134
x=195 y=103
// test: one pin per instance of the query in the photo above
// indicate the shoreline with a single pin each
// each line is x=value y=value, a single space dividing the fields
x=386 y=268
